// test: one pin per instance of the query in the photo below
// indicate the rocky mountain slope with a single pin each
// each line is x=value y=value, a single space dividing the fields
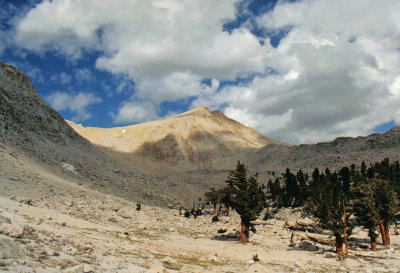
x=205 y=139
x=342 y=151
x=31 y=129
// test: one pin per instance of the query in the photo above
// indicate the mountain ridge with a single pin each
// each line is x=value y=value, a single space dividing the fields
x=207 y=139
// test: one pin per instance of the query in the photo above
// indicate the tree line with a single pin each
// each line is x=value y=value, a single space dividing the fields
x=370 y=193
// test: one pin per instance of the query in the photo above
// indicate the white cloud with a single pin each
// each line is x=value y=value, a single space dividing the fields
x=335 y=73
x=146 y=40
x=136 y=112
x=76 y=103
x=173 y=87
x=62 y=78
x=36 y=74
x=83 y=75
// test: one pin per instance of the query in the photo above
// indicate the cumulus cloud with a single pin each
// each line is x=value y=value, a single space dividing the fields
x=150 y=41
x=175 y=86
x=136 y=112
x=62 y=78
x=335 y=73
x=83 y=75
x=76 y=103
x=36 y=74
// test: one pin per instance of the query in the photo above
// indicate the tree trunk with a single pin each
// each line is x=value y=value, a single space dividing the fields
x=215 y=208
x=345 y=230
x=384 y=229
x=244 y=234
x=339 y=244
x=226 y=210
x=373 y=243
x=277 y=203
x=386 y=226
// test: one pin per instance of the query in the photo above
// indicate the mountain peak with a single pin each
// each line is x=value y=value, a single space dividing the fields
x=199 y=111
x=206 y=139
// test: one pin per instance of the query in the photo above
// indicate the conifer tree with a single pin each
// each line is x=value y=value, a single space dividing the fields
x=366 y=209
x=290 y=188
x=248 y=198
x=327 y=202
x=301 y=194
x=275 y=192
x=387 y=203
x=226 y=196
x=213 y=196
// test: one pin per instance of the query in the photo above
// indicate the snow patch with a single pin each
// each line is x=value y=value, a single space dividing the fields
x=69 y=167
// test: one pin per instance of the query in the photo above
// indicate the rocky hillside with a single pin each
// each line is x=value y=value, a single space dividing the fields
x=205 y=139
x=31 y=129
x=342 y=151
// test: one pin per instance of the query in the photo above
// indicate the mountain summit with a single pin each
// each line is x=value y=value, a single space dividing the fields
x=206 y=139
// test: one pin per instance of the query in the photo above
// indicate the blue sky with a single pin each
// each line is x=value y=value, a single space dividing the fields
x=296 y=71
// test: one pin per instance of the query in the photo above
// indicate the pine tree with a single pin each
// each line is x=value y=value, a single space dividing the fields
x=290 y=188
x=327 y=202
x=344 y=174
x=387 y=203
x=226 y=196
x=366 y=209
x=301 y=194
x=213 y=196
x=275 y=192
x=248 y=198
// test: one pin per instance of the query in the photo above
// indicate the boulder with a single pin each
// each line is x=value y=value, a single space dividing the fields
x=87 y=268
x=70 y=250
x=141 y=226
x=308 y=245
x=306 y=222
x=171 y=263
x=212 y=258
x=12 y=230
x=4 y=220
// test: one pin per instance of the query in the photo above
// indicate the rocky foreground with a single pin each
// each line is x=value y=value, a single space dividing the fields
x=48 y=224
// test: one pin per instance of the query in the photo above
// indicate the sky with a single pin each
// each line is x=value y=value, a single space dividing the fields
x=296 y=71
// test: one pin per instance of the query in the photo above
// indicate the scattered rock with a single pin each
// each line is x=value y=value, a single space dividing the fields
x=186 y=268
x=297 y=264
x=171 y=263
x=308 y=245
x=12 y=230
x=4 y=220
x=124 y=214
x=305 y=222
x=141 y=226
x=157 y=269
x=87 y=268
x=212 y=258
x=70 y=250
